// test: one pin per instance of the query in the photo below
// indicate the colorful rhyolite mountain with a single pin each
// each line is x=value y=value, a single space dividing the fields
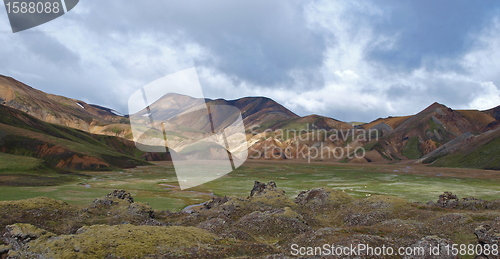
x=437 y=134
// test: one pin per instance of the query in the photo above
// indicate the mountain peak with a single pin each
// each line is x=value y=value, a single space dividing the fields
x=433 y=107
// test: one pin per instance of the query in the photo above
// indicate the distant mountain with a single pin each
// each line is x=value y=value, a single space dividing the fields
x=254 y=110
x=437 y=135
x=481 y=151
x=186 y=120
x=62 y=110
x=259 y=110
x=433 y=133
x=64 y=147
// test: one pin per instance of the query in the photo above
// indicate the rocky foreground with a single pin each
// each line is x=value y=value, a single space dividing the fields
x=266 y=224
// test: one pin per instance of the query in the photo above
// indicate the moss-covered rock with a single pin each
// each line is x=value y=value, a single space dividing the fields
x=319 y=197
x=215 y=225
x=489 y=234
x=17 y=236
x=124 y=241
x=262 y=197
x=34 y=203
x=375 y=209
x=118 y=207
x=129 y=241
x=263 y=225
x=42 y=212
x=274 y=225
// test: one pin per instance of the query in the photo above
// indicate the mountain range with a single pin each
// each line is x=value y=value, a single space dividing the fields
x=438 y=135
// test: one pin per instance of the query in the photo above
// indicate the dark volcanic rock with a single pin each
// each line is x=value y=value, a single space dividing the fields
x=321 y=197
x=488 y=234
x=450 y=201
x=18 y=235
x=447 y=200
x=215 y=202
x=260 y=188
x=121 y=194
x=113 y=198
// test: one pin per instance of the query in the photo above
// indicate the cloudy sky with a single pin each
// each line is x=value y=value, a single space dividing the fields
x=350 y=60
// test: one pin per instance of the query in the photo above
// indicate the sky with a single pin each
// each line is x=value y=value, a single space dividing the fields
x=349 y=60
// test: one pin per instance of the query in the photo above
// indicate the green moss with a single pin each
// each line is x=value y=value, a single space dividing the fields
x=412 y=148
x=34 y=203
x=13 y=163
x=124 y=241
x=116 y=130
x=370 y=146
x=26 y=230
x=289 y=213
x=375 y=145
x=395 y=157
x=487 y=156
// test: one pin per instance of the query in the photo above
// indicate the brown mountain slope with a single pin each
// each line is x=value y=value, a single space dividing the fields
x=482 y=151
x=310 y=122
x=392 y=122
x=478 y=118
x=254 y=110
x=64 y=147
x=415 y=136
x=104 y=121
x=58 y=109
x=432 y=127
x=260 y=110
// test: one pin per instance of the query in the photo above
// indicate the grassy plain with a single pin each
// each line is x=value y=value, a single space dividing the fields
x=157 y=184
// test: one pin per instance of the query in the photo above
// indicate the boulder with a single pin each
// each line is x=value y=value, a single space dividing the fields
x=319 y=197
x=488 y=235
x=262 y=188
x=113 y=198
x=18 y=235
x=215 y=202
x=262 y=197
x=447 y=200
x=275 y=225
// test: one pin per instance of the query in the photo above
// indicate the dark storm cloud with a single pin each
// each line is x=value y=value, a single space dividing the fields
x=256 y=41
x=429 y=29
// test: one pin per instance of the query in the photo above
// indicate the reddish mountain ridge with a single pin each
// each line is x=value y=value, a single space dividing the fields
x=408 y=137
x=435 y=129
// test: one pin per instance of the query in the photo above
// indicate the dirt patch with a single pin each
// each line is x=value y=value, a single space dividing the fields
x=83 y=163
x=6 y=93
